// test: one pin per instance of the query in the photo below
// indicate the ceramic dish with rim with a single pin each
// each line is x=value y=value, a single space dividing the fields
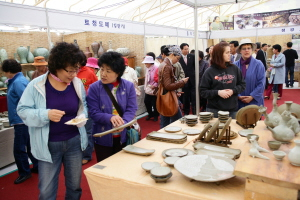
x=210 y=147
x=137 y=150
x=161 y=179
x=190 y=152
x=176 y=152
x=171 y=160
x=76 y=121
x=160 y=171
x=224 y=129
x=172 y=129
x=245 y=132
x=167 y=135
x=147 y=166
x=214 y=153
x=212 y=131
x=243 y=113
x=203 y=132
x=192 y=131
x=205 y=168
x=205 y=113
x=223 y=112
x=191 y=117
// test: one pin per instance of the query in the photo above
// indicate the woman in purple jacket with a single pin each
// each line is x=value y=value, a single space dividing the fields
x=102 y=110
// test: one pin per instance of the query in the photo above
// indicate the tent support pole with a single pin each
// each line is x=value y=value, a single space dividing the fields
x=196 y=58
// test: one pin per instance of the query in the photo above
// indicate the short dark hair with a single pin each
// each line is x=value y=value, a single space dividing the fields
x=289 y=44
x=277 y=46
x=151 y=54
x=207 y=50
x=192 y=51
x=258 y=45
x=83 y=59
x=215 y=18
x=114 y=60
x=162 y=48
x=63 y=55
x=11 y=65
x=201 y=54
x=165 y=51
x=217 y=58
x=235 y=43
x=264 y=44
x=183 y=45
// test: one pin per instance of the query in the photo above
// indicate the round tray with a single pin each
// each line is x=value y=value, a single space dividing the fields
x=248 y=115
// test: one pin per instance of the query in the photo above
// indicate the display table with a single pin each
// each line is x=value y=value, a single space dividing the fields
x=3 y=103
x=6 y=146
x=121 y=176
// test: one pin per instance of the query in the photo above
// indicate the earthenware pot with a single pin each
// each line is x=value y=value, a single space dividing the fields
x=30 y=57
x=101 y=50
x=274 y=116
x=22 y=52
x=41 y=51
x=95 y=47
x=124 y=51
x=295 y=109
x=293 y=122
x=294 y=154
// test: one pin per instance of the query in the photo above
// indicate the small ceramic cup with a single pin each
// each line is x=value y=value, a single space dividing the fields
x=250 y=136
x=274 y=145
x=279 y=155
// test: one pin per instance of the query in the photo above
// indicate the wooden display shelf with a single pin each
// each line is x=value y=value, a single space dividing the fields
x=26 y=64
x=2 y=89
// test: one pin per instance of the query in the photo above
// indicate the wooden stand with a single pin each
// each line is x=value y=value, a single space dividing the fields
x=223 y=143
x=246 y=126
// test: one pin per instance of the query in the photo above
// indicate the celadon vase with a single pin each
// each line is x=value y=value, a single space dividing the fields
x=15 y=56
x=101 y=50
x=41 y=51
x=3 y=55
x=75 y=43
x=30 y=57
x=95 y=47
x=293 y=122
x=274 y=116
x=22 y=52
x=109 y=46
x=294 y=154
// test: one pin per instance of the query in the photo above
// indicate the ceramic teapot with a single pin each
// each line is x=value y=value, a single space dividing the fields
x=268 y=122
x=283 y=132
x=274 y=115
x=293 y=122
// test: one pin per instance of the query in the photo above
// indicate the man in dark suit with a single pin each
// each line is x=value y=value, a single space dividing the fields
x=234 y=55
x=187 y=62
x=261 y=55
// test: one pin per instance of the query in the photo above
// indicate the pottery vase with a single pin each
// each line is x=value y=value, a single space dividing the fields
x=138 y=71
x=3 y=79
x=41 y=51
x=95 y=47
x=274 y=116
x=283 y=132
x=22 y=52
x=101 y=50
x=267 y=121
x=109 y=46
x=295 y=109
x=87 y=52
x=75 y=43
x=124 y=51
x=294 y=154
x=1 y=84
x=30 y=57
x=3 y=55
x=15 y=56
x=293 y=122
x=30 y=73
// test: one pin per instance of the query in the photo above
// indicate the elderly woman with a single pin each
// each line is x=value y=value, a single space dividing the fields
x=277 y=75
x=222 y=82
x=169 y=80
x=48 y=102
x=16 y=86
x=102 y=110
x=253 y=72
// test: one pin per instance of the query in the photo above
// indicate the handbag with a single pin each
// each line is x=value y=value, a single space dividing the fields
x=133 y=132
x=166 y=104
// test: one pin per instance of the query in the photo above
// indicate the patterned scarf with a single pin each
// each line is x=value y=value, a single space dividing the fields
x=243 y=64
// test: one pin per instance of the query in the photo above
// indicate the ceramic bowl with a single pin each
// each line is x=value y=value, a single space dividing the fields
x=274 y=145
x=147 y=166
x=279 y=154
x=250 y=135
x=161 y=179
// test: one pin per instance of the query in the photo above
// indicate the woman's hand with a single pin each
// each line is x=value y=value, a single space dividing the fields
x=116 y=121
x=55 y=115
x=225 y=93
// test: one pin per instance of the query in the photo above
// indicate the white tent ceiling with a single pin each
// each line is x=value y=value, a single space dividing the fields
x=176 y=13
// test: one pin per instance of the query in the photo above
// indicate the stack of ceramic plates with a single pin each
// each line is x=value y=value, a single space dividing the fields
x=191 y=120
x=160 y=174
x=167 y=137
x=147 y=166
x=223 y=116
x=205 y=117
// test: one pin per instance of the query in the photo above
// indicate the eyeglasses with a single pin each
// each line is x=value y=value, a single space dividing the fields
x=244 y=49
x=71 y=72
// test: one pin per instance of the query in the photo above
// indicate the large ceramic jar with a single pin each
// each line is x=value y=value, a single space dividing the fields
x=30 y=57
x=124 y=51
x=3 y=55
x=22 y=52
x=95 y=47
x=294 y=154
x=41 y=51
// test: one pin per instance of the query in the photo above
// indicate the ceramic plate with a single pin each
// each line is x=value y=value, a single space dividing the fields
x=190 y=152
x=191 y=117
x=172 y=129
x=245 y=132
x=138 y=151
x=210 y=147
x=205 y=113
x=160 y=171
x=167 y=135
x=76 y=121
x=224 y=129
x=205 y=168
x=223 y=113
x=171 y=160
x=212 y=132
x=147 y=166
x=176 y=152
x=192 y=131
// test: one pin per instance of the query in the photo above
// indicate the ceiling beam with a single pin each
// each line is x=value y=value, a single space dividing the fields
x=171 y=8
x=37 y=3
x=74 y=4
x=94 y=6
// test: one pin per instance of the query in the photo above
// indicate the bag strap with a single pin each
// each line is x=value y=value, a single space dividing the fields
x=112 y=98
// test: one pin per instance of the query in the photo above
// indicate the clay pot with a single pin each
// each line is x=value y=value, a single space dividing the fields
x=101 y=50
x=95 y=47
x=22 y=52
x=124 y=51
x=294 y=108
x=294 y=155
x=87 y=52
